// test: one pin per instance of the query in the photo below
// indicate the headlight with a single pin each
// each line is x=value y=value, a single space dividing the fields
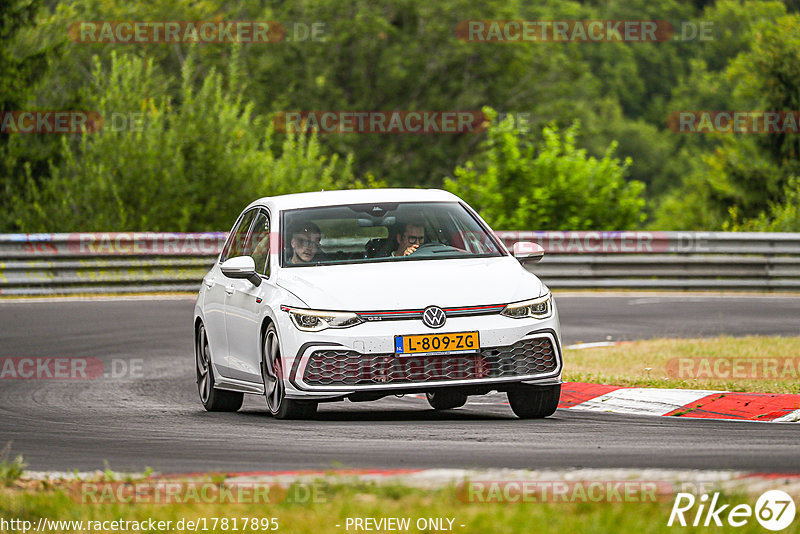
x=315 y=320
x=538 y=308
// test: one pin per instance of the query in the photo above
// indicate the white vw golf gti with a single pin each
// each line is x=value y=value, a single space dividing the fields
x=320 y=297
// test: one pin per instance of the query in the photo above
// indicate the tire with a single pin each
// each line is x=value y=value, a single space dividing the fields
x=446 y=400
x=214 y=400
x=534 y=402
x=272 y=373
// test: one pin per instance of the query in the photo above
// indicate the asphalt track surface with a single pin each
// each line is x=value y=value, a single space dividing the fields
x=154 y=419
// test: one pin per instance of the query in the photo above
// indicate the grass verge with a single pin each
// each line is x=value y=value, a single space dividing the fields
x=334 y=504
x=751 y=364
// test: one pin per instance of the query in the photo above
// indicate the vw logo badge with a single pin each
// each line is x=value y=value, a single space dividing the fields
x=434 y=317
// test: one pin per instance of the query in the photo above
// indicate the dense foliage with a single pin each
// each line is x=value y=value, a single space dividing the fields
x=517 y=184
x=171 y=166
x=594 y=150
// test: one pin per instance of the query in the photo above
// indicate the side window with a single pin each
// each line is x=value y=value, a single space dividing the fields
x=235 y=244
x=258 y=245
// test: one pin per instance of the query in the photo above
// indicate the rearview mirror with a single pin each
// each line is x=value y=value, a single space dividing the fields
x=241 y=267
x=369 y=222
x=527 y=252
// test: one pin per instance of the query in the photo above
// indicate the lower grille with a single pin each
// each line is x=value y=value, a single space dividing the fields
x=332 y=367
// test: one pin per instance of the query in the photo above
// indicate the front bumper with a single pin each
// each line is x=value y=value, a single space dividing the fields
x=512 y=351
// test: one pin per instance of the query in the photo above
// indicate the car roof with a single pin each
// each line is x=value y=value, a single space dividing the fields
x=354 y=196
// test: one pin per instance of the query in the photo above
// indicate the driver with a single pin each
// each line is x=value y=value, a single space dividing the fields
x=410 y=236
x=305 y=240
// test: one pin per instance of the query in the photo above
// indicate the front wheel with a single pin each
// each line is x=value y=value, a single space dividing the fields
x=534 y=402
x=446 y=400
x=272 y=371
x=214 y=400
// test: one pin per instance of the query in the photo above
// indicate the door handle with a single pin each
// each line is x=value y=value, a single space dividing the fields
x=229 y=290
x=209 y=282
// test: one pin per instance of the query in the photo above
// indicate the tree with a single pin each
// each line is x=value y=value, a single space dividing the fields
x=21 y=67
x=407 y=56
x=769 y=76
x=746 y=177
x=18 y=72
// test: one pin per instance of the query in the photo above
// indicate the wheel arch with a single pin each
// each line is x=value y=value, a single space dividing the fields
x=265 y=322
x=197 y=322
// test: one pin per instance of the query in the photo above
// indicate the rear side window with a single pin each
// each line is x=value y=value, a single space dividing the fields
x=236 y=241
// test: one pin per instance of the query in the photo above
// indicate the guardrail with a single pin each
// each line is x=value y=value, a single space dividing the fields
x=45 y=264
x=42 y=264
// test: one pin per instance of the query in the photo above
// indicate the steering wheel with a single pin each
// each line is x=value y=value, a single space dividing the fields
x=429 y=244
x=434 y=247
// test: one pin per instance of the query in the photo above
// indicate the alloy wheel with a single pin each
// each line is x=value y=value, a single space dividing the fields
x=273 y=372
x=203 y=357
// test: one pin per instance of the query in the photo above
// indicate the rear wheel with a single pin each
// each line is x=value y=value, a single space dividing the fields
x=446 y=400
x=534 y=402
x=214 y=400
x=272 y=371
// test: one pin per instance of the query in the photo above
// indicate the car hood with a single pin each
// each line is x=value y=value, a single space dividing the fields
x=403 y=285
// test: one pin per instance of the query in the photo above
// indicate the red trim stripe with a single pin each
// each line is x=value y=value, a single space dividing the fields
x=390 y=312
x=467 y=308
x=462 y=308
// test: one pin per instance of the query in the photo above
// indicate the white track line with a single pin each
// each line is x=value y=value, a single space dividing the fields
x=791 y=417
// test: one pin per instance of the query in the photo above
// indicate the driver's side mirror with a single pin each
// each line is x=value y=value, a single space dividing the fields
x=527 y=252
x=241 y=267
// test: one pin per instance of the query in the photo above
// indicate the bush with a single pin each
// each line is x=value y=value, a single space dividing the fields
x=191 y=165
x=518 y=185
x=779 y=217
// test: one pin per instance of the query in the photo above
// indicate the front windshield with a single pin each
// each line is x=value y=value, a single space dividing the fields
x=383 y=232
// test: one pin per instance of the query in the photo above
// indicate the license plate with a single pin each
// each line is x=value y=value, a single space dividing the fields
x=437 y=343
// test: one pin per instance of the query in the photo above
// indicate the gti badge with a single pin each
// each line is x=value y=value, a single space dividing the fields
x=434 y=317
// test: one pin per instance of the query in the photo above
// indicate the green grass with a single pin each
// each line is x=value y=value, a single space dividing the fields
x=10 y=469
x=340 y=501
x=627 y=364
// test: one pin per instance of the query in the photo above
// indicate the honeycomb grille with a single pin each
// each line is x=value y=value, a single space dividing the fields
x=331 y=367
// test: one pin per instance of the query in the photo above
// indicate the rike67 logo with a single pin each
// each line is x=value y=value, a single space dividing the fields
x=774 y=510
